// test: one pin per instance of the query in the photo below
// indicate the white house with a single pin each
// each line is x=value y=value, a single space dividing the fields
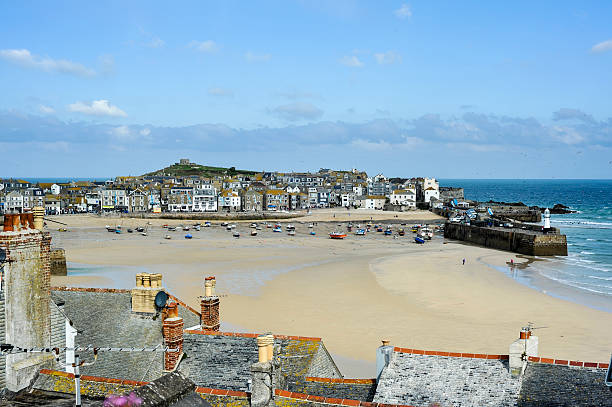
x=205 y=202
x=375 y=202
x=229 y=200
x=403 y=197
x=55 y=189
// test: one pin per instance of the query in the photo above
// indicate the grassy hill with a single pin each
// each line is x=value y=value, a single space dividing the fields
x=200 y=170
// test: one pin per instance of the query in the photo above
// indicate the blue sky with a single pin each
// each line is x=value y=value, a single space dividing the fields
x=447 y=89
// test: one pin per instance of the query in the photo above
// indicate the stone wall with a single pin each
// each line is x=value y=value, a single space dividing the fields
x=513 y=240
x=58 y=262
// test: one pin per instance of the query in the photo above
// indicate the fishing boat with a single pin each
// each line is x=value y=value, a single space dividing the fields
x=401 y=232
x=291 y=233
x=224 y=223
x=206 y=224
x=186 y=228
x=290 y=227
x=277 y=229
x=188 y=236
x=313 y=233
x=388 y=232
x=337 y=235
x=167 y=237
x=236 y=234
x=419 y=240
x=379 y=229
x=425 y=233
x=117 y=231
x=360 y=232
x=228 y=227
x=415 y=228
x=254 y=232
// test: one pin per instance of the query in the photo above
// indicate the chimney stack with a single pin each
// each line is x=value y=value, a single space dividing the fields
x=265 y=347
x=383 y=357
x=143 y=296
x=262 y=373
x=18 y=221
x=172 y=331
x=209 y=306
x=526 y=345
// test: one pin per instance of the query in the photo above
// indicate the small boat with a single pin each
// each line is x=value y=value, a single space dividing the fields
x=268 y=225
x=110 y=229
x=310 y=226
x=254 y=232
x=401 y=232
x=291 y=233
x=253 y=225
x=415 y=228
x=379 y=229
x=349 y=228
x=165 y=226
x=66 y=230
x=290 y=227
x=236 y=234
x=419 y=240
x=388 y=232
x=196 y=228
x=233 y=226
x=130 y=231
x=258 y=228
x=360 y=232
x=277 y=229
x=143 y=233
x=188 y=236
x=228 y=227
x=313 y=233
x=140 y=229
x=206 y=224
x=186 y=228
x=337 y=235
x=167 y=237
x=224 y=223
x=171 y=228
x=426 y=233
x=117 y=231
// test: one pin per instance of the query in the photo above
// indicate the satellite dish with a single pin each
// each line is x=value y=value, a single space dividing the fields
x=161 y=299
x=2 y=255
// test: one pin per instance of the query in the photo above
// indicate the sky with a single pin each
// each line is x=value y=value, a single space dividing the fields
x=446 y=89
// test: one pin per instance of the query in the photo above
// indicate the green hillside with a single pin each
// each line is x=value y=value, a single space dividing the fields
x=199 y=170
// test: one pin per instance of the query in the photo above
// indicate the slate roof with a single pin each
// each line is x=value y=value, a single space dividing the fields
x=223 y=360
x=421 y=380
x=35 y=397
x=105 y=318
x=555 y=385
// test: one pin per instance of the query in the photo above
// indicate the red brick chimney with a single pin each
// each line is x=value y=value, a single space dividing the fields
x=209 y=306
x=172 y=331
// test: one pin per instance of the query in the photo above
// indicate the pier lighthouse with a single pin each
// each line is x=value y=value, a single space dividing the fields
x=546 y=220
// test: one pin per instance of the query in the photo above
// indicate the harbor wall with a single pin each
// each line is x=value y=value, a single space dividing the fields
x=513 y=240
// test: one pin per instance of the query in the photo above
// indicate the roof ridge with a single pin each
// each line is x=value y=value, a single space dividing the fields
x=250 y=335
x=563 y=362
x=450 y=354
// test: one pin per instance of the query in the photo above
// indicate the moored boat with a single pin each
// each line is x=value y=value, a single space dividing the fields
x=337 y=235
x=277 y=229
x=254 y=232
x=419 y=240
x=167 y=237
x=360 y=232
x=236 y=234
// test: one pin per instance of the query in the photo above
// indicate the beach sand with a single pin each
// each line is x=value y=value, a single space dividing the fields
x=352 y=293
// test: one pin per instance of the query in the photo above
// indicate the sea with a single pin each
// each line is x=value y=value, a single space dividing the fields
x=585 y=275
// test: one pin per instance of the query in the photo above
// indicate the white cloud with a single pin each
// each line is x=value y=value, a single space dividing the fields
x=145 y=132
x=46 y=109
x=602 y=46
x=298 y=111
x=252 y=57
x=403 y=12
x=97 y=108
x=386 y=58
x=351 y=61
x=220 y=92
x=155 y=42
x=23 y=57
x=207 y=46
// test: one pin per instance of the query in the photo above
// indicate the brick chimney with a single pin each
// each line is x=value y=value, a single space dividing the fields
x=209 y=306
x=526 y=345
x=25 y=286
x=143 y=296
x=172 y=331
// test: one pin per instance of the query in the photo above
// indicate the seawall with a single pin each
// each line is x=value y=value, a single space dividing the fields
x=513 y=240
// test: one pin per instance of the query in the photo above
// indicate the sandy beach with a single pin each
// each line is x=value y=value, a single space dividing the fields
x=352 y=293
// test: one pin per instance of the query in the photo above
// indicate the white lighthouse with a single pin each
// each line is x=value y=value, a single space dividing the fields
x=546 y=219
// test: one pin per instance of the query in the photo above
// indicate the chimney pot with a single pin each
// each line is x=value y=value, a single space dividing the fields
x=385 y=342
x=38 y=214
x=15 y=219
x=8 y=223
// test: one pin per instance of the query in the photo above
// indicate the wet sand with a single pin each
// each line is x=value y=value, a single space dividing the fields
x=352 y=293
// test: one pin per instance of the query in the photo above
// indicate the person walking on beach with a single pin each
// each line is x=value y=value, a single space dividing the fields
x=464 y=261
